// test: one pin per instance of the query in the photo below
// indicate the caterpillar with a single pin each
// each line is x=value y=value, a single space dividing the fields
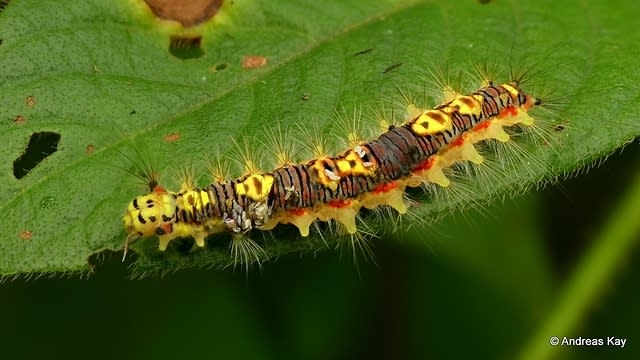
x=335 y=188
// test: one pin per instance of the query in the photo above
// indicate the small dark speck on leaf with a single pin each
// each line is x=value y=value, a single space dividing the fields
x=218 y=67
x=391 y=67
x=362 y=52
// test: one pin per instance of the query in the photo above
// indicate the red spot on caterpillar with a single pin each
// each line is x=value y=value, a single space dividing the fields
x=339 y=203
x=509 y=111
x=425 y=165
x=159 y=189
x=168 y=228
x=253 y=61
x=457 y=142
x=482 y=126
x=25 y=234
x=383 y=188
x=298 y=212
x=172 y=137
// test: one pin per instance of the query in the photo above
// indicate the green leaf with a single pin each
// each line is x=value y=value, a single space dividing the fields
x=100 y=70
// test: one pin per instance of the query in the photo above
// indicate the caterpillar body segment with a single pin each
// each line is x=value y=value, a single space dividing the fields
x=369 y=174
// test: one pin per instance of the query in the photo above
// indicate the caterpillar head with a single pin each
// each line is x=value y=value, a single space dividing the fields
x=149 y=215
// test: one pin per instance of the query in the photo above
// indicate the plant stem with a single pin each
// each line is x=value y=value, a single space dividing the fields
x=591 y=276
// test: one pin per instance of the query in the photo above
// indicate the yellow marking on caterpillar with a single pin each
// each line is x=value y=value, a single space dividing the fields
x=431 y=122
x=321 y=168
x=146 y=217
x=467 y=105
x=255 y=187
x=511 y=90
x=204 y=196
x=351 y=164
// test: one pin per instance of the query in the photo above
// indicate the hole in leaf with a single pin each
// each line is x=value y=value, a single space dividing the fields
x=185 y=47
x=3 y=4
x=218 y=67
x=40 y=146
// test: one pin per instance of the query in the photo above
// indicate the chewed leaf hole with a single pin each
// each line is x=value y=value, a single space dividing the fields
x=184 y=47
x=3 y=4
x=40 y=146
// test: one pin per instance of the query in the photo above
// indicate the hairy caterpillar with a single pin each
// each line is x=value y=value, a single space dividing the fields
x=334 y=188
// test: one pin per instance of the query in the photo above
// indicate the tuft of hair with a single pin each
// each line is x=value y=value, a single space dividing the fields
x=186 y=177
x=219 y=168
x=279 y=143
x=245 y=252
x=442 y=82
x=313 y=140
x=387 y=115
x=248 y=156
x=144 y=164
x=350 y=127
x=359 y=244
x=487 y=72
x=410 y=105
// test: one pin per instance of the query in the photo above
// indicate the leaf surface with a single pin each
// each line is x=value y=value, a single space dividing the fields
x=102 y=77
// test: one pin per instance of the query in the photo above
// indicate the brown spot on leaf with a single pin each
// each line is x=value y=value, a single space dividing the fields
x=25 y=234
x=90 y=149
x=253 y=61
x=20 y=119
x=188 y=13
x=172 y=137
x=30 y=101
